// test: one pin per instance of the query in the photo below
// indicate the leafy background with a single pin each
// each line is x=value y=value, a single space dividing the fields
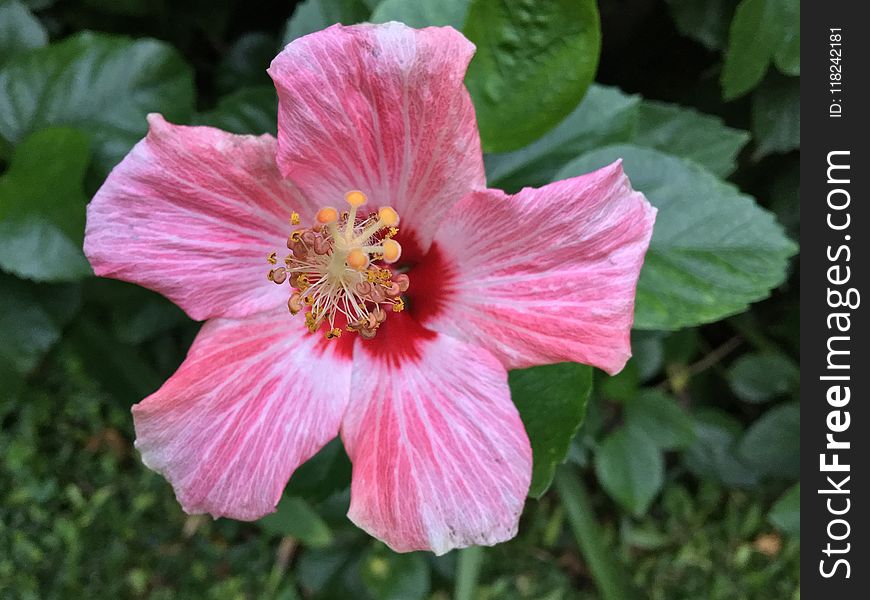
x=678 y=478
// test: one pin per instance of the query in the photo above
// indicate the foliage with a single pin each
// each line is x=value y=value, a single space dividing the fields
x=688 y=455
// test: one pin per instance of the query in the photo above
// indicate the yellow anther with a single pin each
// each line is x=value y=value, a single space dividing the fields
x=355 y=198
x=391 y=233
x=333 y=333
x=392 y=251
x=327 y=215
x=398 y=305
x=388 y=216
x=296 y=236
x=308 y=300
x=294 y=218
x=272 y=258
x=357 y=259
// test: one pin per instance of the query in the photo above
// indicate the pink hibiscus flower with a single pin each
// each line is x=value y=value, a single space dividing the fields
x=413 y=305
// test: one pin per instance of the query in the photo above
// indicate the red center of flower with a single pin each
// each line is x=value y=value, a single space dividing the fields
x=339 y=269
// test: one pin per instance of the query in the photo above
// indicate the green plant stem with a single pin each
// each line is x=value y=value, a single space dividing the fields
x=467 y=572
x=609 y=576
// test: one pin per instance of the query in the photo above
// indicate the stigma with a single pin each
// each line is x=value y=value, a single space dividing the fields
x=339 y=269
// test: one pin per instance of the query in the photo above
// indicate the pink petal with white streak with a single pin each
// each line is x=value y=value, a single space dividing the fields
x=549 y=274
x=440 y=457
x=252 y=401
x=382 y=109
x=192 y=213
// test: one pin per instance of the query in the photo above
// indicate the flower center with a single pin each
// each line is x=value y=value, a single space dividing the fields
x=332 y=272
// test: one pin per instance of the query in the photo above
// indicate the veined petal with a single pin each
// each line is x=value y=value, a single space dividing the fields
x=252 y=401
x=381 y=109
x=192 y=213
x=440 y=457
x=549 y=274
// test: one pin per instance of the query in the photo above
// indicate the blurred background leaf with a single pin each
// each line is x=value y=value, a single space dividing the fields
x=677 y=478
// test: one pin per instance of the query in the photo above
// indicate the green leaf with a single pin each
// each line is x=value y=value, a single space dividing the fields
x=103 y=84
x=19 y=30
x=42 y=207
x=294 y=517
x=759 y=377
x=533 y=65
x=776 y=116
x=714 y=455
x=31 y=320
x=422 y=13
x=714 y=250
x=648 y=353
x=605 y=116
x=246 y=61
x=772 y=443
x=391 y=576
x=623 y=386
x=118 y=367
x=787 y=55
x=552 y=403
x=314 y=15
x=248 y=110
x=657 y=416
x=786 y=513
x=687 y=133
x=760 y=31
x=323 y=474
x=631 y=469
x=705 y=21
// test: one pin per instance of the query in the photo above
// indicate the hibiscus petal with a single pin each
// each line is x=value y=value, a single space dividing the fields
x=549 y=274
x=192 y=213
x=253 y=400
x=440 y=457
x=381 y=109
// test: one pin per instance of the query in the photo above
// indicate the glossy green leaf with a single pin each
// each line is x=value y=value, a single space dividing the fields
x=422 y=13
x=248 y=110
x=631 y=469
x=19 y=29
x=313 y=15
x=658 y=416
x=714 y=250
x=687 y=133
x=103 y=84
x=705 y=21
x=533 y=65
x=786 y=513
x=772 y=443
x=759 y=377
x=605 y=116
x=42 y=207
x=760 y=31
x=294 y=517
x=776 y=116
x=552 y=403
x=391 y=576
